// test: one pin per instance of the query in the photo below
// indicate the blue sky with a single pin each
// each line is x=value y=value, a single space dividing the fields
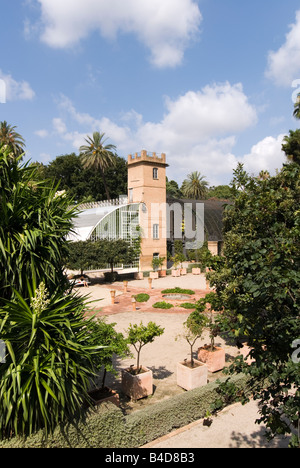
x=210 y=82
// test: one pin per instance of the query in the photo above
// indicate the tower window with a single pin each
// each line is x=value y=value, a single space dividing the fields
x=155 y=231
x=155 y=173
x=130 y=195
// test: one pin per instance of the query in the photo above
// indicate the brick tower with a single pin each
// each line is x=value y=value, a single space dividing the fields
x=147 y=185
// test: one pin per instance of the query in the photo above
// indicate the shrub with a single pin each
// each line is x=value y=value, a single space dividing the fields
x=142 y=297
x=162 y=305
x=109 y=428
x=178 y=290
x=49 y=362
x=188 y=305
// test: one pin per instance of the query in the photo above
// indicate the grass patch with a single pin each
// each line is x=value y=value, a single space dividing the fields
x=142 y=297
x=162 y=305
x=187 y=305
x=178 y=290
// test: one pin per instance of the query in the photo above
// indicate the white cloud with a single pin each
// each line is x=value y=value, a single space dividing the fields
x=59 y=126
x=16 y=90
x=284 y=64
x=42 y=133
x=265 y=155
x=165 y=27
x=198 y=130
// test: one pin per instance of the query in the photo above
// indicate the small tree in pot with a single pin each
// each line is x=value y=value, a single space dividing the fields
x=113 y=343
x=192 y=373
x=212 y=355
x=137 y=381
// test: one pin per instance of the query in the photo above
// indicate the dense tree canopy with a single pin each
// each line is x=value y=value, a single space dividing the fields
x=258 y=287
x=84 y=184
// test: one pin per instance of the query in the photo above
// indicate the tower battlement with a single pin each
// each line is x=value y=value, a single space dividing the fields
x=146 y=156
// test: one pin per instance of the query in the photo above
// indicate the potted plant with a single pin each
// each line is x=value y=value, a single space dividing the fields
x=161 y=272
x=113 y=344
x=137 y=381
x=212 y=355
x=192 y=373
x=155 y=265
x=176 y=262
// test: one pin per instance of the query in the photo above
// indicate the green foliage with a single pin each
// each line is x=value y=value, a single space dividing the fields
x=193 y=329
x=84 y=184
x=291 y=146
x=140 y=335
x=228 y=393
x=34 y=221
x=162 y=305
x=188 y=305
x=258 y=284
x=178 y=290
x=195 y=186
x=114 y=343
x=173 y=190
x=90 y=254
x=222 y=192
x=135 y=429
x=98 y=156
x=48 y=367
x=11 y=139
x=202 y=256
x=142 y=297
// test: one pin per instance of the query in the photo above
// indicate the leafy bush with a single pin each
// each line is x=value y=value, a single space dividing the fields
x=188 y=305
x=162 y=305
x=142 y=297
x=49 y=362
x=109 y=428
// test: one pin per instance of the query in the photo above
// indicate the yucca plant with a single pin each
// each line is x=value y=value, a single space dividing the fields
x=49 y=361
x=35 y=220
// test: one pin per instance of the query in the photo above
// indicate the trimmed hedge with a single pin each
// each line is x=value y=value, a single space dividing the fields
x=179 y=291
x=188 y=305
x=109 y=428
x=162 y=305
x=142 y=297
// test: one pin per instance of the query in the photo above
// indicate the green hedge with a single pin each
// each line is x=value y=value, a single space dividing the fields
x=142 y=297
x=109 y=428
x=162 y=305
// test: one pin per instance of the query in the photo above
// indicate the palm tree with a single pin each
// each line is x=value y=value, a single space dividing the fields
x=297 y=108
x=98 y=156
x=195 y=186
x=9 y=137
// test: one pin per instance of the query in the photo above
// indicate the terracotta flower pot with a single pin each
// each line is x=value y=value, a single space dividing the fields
x=175 y=272
x=215 y=360
x=191 y=377
x=162 y=273
x=137 y=386
x=154 y=274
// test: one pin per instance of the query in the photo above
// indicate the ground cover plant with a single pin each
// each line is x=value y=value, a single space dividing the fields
x=178 y=291
x=162 y=305
x=142 y=297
